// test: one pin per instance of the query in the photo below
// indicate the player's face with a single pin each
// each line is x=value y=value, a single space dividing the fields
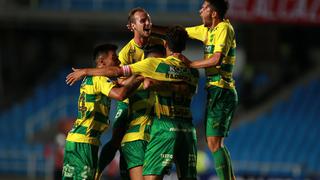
x=206 y=14
x=108 y=59
x=142 y=24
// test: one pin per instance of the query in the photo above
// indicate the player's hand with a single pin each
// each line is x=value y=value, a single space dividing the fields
x=147 y=83
x=121 y=81
x=75 y=76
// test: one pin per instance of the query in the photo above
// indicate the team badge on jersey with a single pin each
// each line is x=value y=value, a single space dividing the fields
x=209 y=49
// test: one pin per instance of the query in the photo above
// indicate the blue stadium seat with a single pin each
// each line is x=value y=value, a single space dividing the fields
x=52 y=5
x=81 y=5
x=178 y=6
x=112 y=5
x=286 y=134
x=150 y=6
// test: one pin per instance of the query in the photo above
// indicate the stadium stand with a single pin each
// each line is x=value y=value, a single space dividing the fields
x=120 y=5
x=282 y=142
x=20 y=152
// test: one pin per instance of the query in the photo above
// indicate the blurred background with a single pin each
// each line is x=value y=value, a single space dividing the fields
x=275 y=132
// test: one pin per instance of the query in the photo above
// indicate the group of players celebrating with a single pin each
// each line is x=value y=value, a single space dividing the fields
x=154 y=84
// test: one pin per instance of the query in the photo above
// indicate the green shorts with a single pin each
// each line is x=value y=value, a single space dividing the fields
x=133 y=153
x=122 y=115
x=172 y=141
x=221 y=106
x=80 y=161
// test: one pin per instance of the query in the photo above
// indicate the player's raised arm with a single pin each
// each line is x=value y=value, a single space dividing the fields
x=215 y=60
x=131 y=84
x=78 y=74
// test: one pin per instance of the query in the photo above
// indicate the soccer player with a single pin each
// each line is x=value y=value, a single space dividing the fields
x=156 y=50
x=218 y=36
x=173 y=137
x=82 y=142
x=135 y=111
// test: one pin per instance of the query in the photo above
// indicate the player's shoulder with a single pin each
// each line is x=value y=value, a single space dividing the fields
x=152 y=60
x=225 y=24
x=172 y=59
x=199 y=26
x=128 y=46
x=102 y=79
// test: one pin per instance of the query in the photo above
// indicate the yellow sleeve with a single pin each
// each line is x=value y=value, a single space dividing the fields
x=103 y=84
x=124 y=55
x=146 y=67
x=223 y=39
x=197 y=32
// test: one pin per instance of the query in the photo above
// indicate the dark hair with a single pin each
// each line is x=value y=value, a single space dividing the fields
x=132 y=12
x=156 y=48
x=176 y=38
x=102 y=48
x=221 y=6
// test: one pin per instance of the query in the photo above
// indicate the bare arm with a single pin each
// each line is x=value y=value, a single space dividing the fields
x=78 y=74
x=126 y=80
x=121 y=93
x=215 y=60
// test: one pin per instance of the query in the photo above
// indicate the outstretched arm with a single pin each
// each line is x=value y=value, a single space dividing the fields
x=121 y=93
x=215 y=60
x=78 y=74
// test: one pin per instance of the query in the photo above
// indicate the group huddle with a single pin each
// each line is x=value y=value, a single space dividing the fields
x=154 y=84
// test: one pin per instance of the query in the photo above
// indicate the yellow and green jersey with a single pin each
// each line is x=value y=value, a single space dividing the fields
x=93 y=110
x=140 y=113
x=219 y=39
x=132 y=52
x=169 y=104
x=141 y=103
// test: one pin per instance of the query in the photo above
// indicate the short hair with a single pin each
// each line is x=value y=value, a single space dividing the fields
x=176 y=37
x=156 y=48
x=132 y=12
x=221 y=6
x=103 y=48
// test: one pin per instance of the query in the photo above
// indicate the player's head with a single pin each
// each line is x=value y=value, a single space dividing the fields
x=139 y=22
x=105 y=55
x=212 y=9
x=176 y=39
x=157 y=51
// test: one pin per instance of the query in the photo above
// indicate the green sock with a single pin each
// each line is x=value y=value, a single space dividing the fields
x=230 y=164
x=222 y=164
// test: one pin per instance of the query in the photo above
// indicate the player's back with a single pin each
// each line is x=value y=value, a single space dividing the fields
x=170 y=104
x=93 y=110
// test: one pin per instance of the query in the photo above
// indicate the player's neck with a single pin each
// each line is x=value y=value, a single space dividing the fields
x=215 y=22
x=176 y=55
x=141 y=41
